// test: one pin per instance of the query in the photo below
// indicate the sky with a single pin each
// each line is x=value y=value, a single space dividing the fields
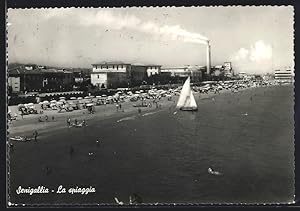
x=254 y=39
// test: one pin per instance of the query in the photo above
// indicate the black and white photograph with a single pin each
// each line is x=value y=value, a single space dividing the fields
x=150 y=106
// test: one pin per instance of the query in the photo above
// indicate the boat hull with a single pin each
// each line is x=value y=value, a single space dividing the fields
x=189 y=109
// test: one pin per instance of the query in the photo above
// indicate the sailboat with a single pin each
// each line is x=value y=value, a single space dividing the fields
x=186 y=101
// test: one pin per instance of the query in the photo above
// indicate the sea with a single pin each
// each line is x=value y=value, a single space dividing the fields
x=164 y=155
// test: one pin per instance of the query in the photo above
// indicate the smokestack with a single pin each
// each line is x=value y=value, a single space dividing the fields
x=208 y=58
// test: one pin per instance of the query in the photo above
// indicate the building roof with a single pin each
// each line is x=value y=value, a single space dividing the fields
x=111 y=63
x=146 y=65
x=173 y=68
x=22 y=70
x=124 y=63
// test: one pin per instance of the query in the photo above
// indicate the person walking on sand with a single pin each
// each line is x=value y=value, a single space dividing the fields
x=76 y=121
x=52 y=118
x=46 y=117
x=117 y=106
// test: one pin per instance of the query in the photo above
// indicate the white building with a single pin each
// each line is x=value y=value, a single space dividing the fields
x=153 y=70
x=176 y=71
x=14 y=83
x=284 y=75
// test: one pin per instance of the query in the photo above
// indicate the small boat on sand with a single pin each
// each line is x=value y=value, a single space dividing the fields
x=213 y=172
x=20 y=138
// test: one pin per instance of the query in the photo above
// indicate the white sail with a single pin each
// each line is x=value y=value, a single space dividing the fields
x=193 y=103
x=185 y=92
x=186 y=98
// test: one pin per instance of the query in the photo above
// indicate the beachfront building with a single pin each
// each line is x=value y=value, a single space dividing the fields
x=110 y=74
x=228 y=71
x=153 y=70
x=284 y=75
x=34 y=78
x=183 y=72
x=119 y=74
x=14 y=84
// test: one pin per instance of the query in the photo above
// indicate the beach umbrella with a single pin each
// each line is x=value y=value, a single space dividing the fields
x=86 y=97
x=98 y=96
x=62 y=98
x=73 y=98
x=46 y=102
x=53 y=101
x=30 y=104
x=40 y=103
x=79 y=98
x=104 y=95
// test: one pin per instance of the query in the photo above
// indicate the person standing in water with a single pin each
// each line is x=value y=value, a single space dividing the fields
x=69 y=122
x=35 y=134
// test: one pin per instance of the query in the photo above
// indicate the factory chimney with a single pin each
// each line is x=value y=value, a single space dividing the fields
x=208 y=62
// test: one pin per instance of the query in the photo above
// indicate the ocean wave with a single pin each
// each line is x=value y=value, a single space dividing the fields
x=146 y=114
x=126 y=119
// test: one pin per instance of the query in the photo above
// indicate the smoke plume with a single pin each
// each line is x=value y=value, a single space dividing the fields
x=127 y=21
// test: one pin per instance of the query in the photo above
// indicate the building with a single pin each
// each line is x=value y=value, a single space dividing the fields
x=109 y=75
x=33 y=78
x=228 y=69
x=119 y=74
x=284 y=75
x=183 y=72
x=14 y=84
x=153 y=70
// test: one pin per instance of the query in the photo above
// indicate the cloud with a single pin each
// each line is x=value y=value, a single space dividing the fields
x=260 y=52
x=131 y=22
x=257 y=58
x=241 y=54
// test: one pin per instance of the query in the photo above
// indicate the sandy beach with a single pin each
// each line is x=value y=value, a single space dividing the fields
x=29 y=123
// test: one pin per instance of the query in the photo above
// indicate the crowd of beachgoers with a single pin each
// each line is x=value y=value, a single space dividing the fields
x=141 y=98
